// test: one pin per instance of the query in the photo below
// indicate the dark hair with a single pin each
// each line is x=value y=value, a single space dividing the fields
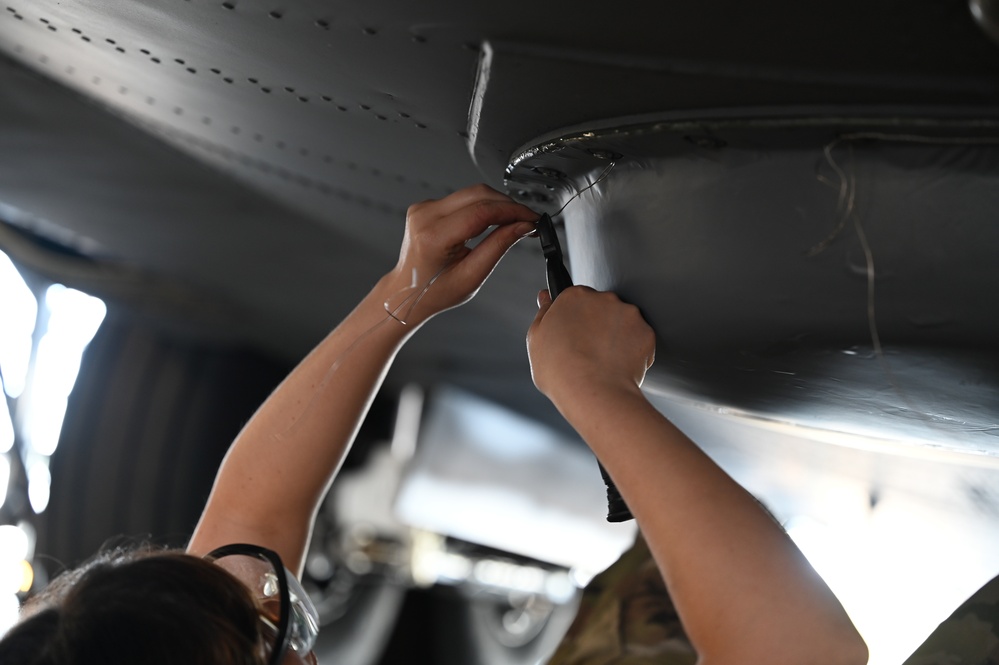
x=141 y=606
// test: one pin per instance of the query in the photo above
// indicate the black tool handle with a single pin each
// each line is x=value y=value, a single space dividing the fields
x=617 y=510
x=558 y=278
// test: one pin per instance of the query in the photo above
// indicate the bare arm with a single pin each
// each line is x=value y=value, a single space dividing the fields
x=743 y=590
x=276 y=472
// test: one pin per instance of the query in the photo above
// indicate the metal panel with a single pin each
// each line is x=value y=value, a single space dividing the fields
x=835 y=273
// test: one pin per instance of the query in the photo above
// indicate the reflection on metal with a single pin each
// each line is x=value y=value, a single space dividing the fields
x=407 y=423
x=544 y=536
x=905 y=536
x=506 y=481
x=541 y=490
x=986 y=13
x=832 y=271
x=350 y=115
x=435 y=560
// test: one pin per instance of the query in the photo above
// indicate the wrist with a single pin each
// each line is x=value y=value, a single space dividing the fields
x=401 y=299
x=583 y=397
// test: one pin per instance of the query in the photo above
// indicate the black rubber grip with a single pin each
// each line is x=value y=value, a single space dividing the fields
x=617 y=509
x=558 y=281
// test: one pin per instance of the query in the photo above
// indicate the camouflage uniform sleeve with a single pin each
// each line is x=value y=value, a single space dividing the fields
x=969 y=636
x=626 y=618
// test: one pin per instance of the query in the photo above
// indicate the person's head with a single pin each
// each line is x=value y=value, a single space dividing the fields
x=142 y=606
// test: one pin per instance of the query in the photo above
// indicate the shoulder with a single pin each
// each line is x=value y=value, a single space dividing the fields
x=626 y=617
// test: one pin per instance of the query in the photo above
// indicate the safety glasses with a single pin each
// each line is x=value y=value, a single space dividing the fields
x=288 y=616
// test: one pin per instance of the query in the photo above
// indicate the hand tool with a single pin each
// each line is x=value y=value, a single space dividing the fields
x=558 y=281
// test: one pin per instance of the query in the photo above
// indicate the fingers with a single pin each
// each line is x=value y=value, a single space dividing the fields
x=434 y=232
x=481 y=261
x=437 y=233
x=464 y=197
x=592 y=336
x=544 y=303
x=460 y=199
x=472 y=220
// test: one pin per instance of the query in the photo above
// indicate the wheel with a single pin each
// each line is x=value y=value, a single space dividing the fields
x=487 y=630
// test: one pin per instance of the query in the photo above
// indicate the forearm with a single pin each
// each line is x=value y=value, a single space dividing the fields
x=280 y=465
x=272 y=481
x=744 y=591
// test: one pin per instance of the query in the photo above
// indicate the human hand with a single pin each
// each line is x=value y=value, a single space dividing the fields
x=436 y=270
x=588 y=340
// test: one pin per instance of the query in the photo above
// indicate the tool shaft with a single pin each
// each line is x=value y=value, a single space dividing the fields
x=558 y=281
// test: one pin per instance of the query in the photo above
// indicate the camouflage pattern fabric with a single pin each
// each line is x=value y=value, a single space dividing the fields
x=626 y=618
x=969 y=636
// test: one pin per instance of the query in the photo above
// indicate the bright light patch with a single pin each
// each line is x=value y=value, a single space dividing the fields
x=9 y=609
x=20 y=310
x=13 y=551
x=6 y=428
x=504 y=575
x=16 y=574
x=4 y=477
x=27 y=576
x=73 y=320
x=871 y=565
x=39 y=485
x=542 y=492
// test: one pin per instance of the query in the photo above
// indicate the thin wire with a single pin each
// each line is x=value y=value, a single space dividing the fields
x=846 y=204
x=847 y=194
x=390 y=315
x=879 y=136
x=393 y=314
x=579 y=192
x=426 y=287
x=872 y=321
